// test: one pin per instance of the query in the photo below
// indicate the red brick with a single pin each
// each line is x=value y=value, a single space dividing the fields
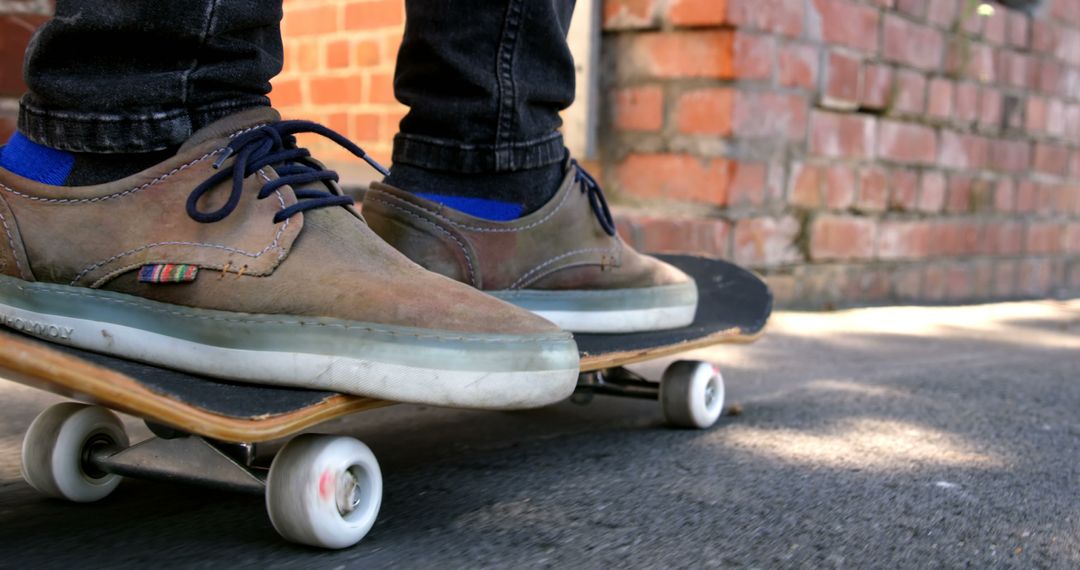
x=839 y=187
x=935 y=283
x=962 y=151
x=630 y=14
x=1018 y=29
x=747 y=184
x=706 y=54
x=990 y=108
x=675 y=177
x=1072 y=238
x=1003 y=238
x=806 y=186
x=940 y=99
x=702 y=236
x=966 y=102
x=1036 y=114
x=753 y=56
x=910 y=95
x=873 y=190
x=1016 y=69
x=848 y=24
x=1005 y=196
x=842 y=238
x=1044 y=36
x=903 y=189
x=1005 y=273
x=906 y=142
x=311 y=21
x=365 y=127
x=797 y=66
x=766 y=241
x=285 y=93
x=877 y=86
x=374 y=14
x=784 y=17
x=916 y=8
x=912 y=44
x=1051 y=159
x=1026 y=196
x=1055 y=118
x=847 y=135
x=942 y=13
x=338 y=54
x=959 y=281
x=958 y=199
x=335 y=90
x=995 y=27
x=1034 y=277
x=15 y=32
x=769 y=114
x=1050 y=76
x=903 y=240
x=1009 y=156
x=932 y=192
x=699 y=12
x=972 y=60
x=367 y=53
x=642 y=109
x=1043 y=238
x=906 y=282
x=843 y=75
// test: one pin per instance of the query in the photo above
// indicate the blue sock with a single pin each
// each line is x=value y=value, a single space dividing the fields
x=36 y=162
x=483 y=208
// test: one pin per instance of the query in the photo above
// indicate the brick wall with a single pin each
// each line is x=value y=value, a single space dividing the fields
x=18 y=20
x=855 y=151
x=339 y=70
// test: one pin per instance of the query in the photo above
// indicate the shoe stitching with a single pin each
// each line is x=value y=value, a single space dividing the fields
x=547 y=217
x=464 y=251
x=555 y=259
x=374 y=330
x=272 y=245
x=11 y=242
x=153 y=182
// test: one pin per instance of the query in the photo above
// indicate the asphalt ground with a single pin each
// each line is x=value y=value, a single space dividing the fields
x=877 y=438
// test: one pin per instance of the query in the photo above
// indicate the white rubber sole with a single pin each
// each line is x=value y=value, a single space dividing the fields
x=475 y=388
x=625 y=321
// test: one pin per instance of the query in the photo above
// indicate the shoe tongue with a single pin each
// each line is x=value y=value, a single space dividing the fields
x=226 y=127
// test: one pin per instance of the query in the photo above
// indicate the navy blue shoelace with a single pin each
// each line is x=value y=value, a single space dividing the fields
x=599 y=204
x=275 y=145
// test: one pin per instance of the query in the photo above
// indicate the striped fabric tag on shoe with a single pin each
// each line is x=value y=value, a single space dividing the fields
x=168 y=273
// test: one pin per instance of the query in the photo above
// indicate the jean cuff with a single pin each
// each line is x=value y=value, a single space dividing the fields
x=114 y=133
x=451 y=156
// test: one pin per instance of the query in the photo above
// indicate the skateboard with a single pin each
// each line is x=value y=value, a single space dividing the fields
x=320 y=490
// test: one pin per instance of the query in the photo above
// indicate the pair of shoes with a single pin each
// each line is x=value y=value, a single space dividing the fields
x=240 y=258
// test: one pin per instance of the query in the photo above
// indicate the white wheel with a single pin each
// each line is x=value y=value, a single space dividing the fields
x=56 y=446
x=324 y=491
x=692 y=394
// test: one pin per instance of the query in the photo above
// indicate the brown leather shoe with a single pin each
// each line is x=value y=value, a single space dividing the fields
x=563 y=261
x=262 y=282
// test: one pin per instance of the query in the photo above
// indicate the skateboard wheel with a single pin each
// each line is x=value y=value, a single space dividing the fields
x=324 y=491
x=692 y=394
x=56 y=448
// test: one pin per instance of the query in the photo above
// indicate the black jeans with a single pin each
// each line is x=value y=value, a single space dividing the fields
x=484 y=79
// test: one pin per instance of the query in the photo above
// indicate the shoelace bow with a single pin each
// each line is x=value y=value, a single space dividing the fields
x=275 y=145
x=599 y=204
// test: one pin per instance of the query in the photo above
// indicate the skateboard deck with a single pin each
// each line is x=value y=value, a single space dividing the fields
x=734 y=306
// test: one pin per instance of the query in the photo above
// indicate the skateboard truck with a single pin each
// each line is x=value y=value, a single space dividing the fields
x=190 y=459
x=691 y=392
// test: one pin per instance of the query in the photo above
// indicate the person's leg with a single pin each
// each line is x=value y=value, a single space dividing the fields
x=238 y=256
x=118 y=85
x=485 y=81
